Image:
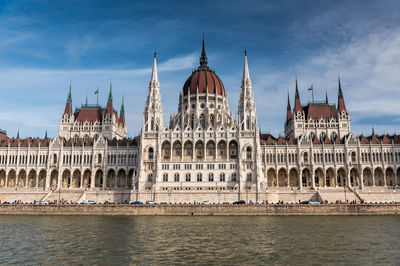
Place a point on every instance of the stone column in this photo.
(92, 179)
(47, 179)
(373, 177)
(313, 179)
(361, 180)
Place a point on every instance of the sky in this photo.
(46, 45)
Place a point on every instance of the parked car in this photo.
(88, 202)
(44, 203)
(314, 202)
(239, 202)
(136, 202)
(152, 202)
(205, 202)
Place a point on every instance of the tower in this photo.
(67, 118)
(249, 135)
(343, 116)
(152, 125)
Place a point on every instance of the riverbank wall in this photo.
(193, 210)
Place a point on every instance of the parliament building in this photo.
(203, 153)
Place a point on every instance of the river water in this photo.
(199, 240)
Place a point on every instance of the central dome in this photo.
(202, 79)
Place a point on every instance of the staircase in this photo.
(337, 194)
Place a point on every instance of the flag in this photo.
(311, 88)
(96, 91)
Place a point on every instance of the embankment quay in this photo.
(212, 210)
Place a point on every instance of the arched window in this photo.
(248, 177)
(210, 149)
(166, 150)
(333, 136)
(312, 135)
(86, 138)
(232, 150)
(305, 157)
(99, 158)
(212, 120)
(187, 177)
(199, 177)
(76, 138)
(151, 154)
(234, 177)
(248, 153)
(248, 122)
(202, 121)
(55, 158)
(176, 177)
(150, 178)
(192, 121)
(96, 137)
(211, 177)
(222, 177)
(165, 177)
(322, 136)
(353, 157)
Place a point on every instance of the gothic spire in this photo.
(18, 134)
(154, 73)
(203, 58)
(122, 112)
(297, 103)
(45, 135)
(326, 98)
(122, 105)
(289, 111)
(68, 105)
(109, 107)
(69, 99)
(110, 93)
(246, 81)
(341, 105)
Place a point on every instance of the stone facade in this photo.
(204, 153)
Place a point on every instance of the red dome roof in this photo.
(204, 78)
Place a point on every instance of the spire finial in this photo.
(373, 131)
(110, 93)
(297, 90)
(69, 99)
(45, 135)
(340, 88)
(288, 102)
(86, 103)
(154, 72)
(18, 134)
(122, 105)
(326, 97)
(203, 58)
(246, 81)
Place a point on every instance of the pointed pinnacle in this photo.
(297, 90)
(340, 89)
(122, 104)
(203, 58)
(69, 99)
(110, 93)
(288, 102)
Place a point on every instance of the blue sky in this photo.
(46, 44)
